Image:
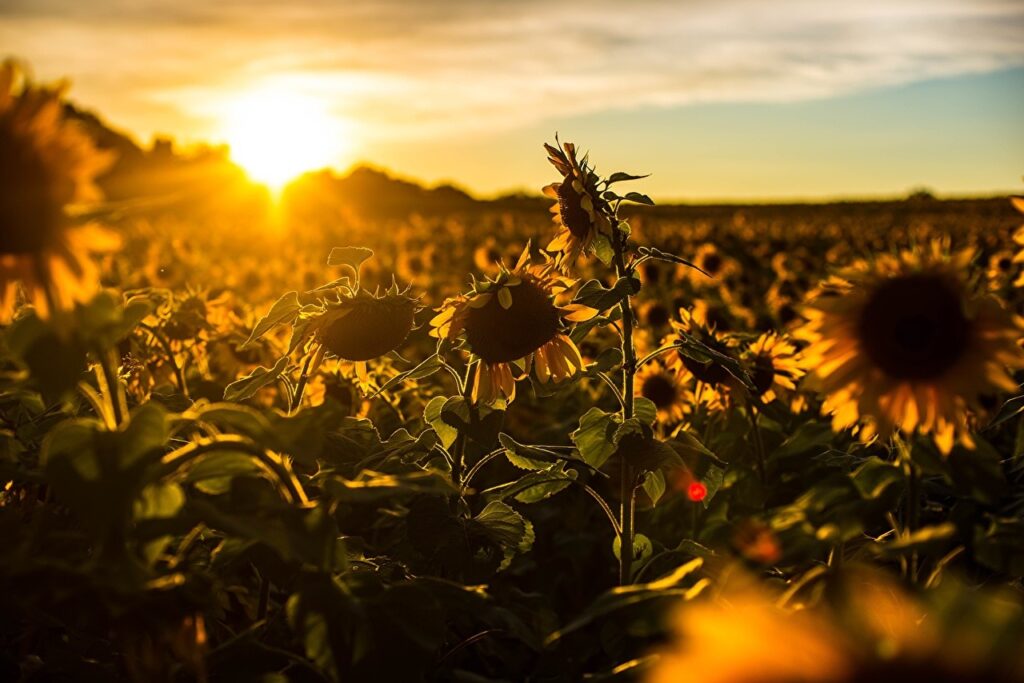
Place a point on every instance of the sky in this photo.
(717, 99)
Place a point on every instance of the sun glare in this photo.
(276, 135)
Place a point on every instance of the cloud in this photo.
(414, 70)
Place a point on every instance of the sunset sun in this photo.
(276, 135)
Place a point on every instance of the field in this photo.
(366, 431)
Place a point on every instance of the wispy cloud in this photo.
(428, 69)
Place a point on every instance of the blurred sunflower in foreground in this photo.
(47, 164)
(874, 632)
(511, 323)
(578, 209)
(901, 343)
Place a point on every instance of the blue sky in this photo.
(719, 99)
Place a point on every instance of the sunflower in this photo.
(47, 164)
(1001, 267)
(774, 367)
(579, 209)
(720, 267)
(363, 326)
(869, 629)
(901, 343)
(511, 323)
(662, 387)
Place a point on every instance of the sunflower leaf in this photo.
(247, 386)
(595, 436)
(619, 177)
(638, 198)
(285, 310)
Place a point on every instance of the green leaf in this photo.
(603, 249)
(247, 386)
(619, 177)
(639, 198)
(643, 549)
(595, 436)
(654, 485)
(212, 474)
(660, 255)
(645, 410)
(506, 528)
(597, 296)
(535, 486)
(526, 457)
(285, 310)
(432, 416)
(371, 486)
(353, 257)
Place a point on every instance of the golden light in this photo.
(276, 134)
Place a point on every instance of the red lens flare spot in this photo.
(697, 491)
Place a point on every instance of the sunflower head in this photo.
(511, 322)
(664, 389)
(364, 326)
(711, 371)
(47, 164)
(579, 211)
(774, 366)
(903, 343)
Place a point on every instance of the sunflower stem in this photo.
(459, 456)
(113, 389)
(300, 389)
(758, 442)
(627, 489)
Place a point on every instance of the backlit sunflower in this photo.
(663, 388)
(900, 343)
(578, 211)
(47, 164)
(364, 326)
(774, 367)
(511, 323)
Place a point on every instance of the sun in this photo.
(276, 134)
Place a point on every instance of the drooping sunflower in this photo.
(774, 367)
(48, 164)
(902, 343)
(511, 323)
(363, 326)
(662, 387)
(579, 211)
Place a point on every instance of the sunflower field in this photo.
(426, 438)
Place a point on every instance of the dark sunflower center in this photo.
(914, 328)
(574, 216)
(660, 390)
(657, 316)
(30, 213)
(499, 335)
(1005, 263)
(712, 263)
(372, 329)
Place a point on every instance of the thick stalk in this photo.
(459, 456)
(627, 488)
